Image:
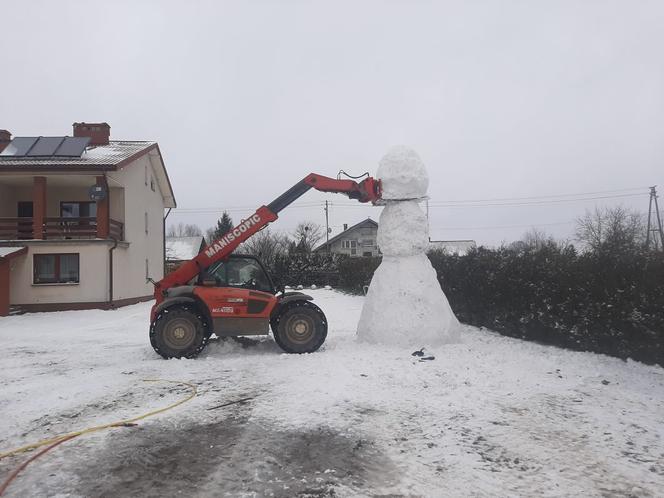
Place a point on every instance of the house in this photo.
(459, 247)
(358, 240)
(81, 220)
(181, 249)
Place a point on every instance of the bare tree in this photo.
(532, 239)
(209, 235)
(307, 235)
(536, 238)
(266, 246)
(613, 229)
(184, 230)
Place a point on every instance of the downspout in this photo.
(110, 272)
(115, 244)
(164, 239)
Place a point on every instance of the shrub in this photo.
(355, 273)
(611, 303)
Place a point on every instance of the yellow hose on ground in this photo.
(121, 423)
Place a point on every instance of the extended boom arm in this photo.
(368, 190)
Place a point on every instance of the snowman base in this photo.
(405, 305)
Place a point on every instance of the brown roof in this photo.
(111, 157)
(100, 157)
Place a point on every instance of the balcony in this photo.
(60, 207)
(58, 228)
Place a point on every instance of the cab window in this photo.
(242, 273)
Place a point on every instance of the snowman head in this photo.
(402, 174)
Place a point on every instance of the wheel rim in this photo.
(179, 334)
(299, 329)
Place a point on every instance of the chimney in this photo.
(5, 138)
(98, 132)
(345, 226)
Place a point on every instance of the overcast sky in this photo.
(502, 99)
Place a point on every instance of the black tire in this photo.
(179, 332)
(301, 327)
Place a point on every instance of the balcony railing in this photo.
(116, 230)
(15, 228)
(57, 228)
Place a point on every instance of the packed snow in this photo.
(489, 416)
(402, 174)
(405, 304)
(402, 229)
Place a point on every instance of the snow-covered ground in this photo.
(492, 416)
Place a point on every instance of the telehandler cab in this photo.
(232, 295)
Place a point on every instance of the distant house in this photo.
(81, 220)
(181, 249)
(358, 240)
(460, 247)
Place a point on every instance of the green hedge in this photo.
(609, 302)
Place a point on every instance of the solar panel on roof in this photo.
(45, 146)
(72, 147)
(19, 146)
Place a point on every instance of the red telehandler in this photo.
(232, 295)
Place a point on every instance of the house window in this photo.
(56, 269)
(78, 209)
(349, 244)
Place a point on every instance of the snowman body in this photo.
(405, 304)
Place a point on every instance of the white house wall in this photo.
(130, 263)
(13, 195)
(116, 203)
(93, 275)
(10, 195)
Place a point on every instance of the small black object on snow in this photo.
(418, 353)
(605, 382)
(428, 358)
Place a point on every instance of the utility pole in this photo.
(327, 228)
(656, 230)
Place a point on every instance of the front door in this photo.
(24, 209)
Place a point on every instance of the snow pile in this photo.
(493, 416)
(405, 304)
(402, 174)
(402, 229)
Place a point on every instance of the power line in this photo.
(551, 195)
(444, 204)
(494, 202)
(508, 226)
(540, 202)
(218, 210)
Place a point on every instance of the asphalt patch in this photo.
(230, 457)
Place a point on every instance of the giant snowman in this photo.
(405, 304)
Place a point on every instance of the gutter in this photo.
(164, 240)
(110, 272)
